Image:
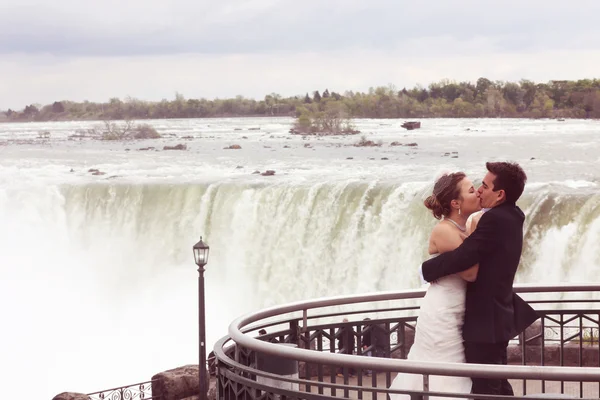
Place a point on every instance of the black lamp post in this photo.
(201, 258)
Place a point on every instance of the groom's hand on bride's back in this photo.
(480, 243)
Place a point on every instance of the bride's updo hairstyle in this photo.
(445, 190)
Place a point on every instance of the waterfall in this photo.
(99, 283)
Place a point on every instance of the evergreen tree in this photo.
(316, 96)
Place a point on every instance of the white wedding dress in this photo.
(438, 338)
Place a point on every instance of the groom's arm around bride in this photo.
(494, 314)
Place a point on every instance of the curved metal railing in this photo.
(563, 356)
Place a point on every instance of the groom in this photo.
(493, 314)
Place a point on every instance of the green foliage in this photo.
(316, 96)
(58, 107)
(145, 131)
(449, 99)
(126, 131)
(333, 119)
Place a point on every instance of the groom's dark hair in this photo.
(510, 177)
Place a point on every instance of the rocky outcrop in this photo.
(211, 395)
(178, 383)
(176, 147)
(367, 143)
(410, 125)
(404, 144)
(71, 396)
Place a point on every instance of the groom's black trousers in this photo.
(488, 353)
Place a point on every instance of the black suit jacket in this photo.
(494, 313)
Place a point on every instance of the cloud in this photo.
(152, 27)
(69, 49)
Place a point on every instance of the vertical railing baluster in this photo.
(359, 371)
(388, 353)
(580, 352)
(425, 386)
(307, 372)
(543, 349)
(334, 368)
(562, 349)
(320, 366)
(523, 359)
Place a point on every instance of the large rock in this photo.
(212, 394)
(533, 334)
(178, 383)
(176, 147)
(71, 396)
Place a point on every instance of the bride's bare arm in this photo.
(474, 221)
(470, 275)
(445, 238)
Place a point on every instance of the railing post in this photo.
(280, 366)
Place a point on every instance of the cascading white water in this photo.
(99, 283)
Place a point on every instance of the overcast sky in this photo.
(150, 49)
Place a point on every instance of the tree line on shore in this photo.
(444, 99)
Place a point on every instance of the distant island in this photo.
(444, 99)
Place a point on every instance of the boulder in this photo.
(71, 396)
(176, 147)
(533, 334)
(211, 395)
(366, 143)
(410, 125)
(178, 383)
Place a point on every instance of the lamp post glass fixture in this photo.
(201, 258)
(201, 253)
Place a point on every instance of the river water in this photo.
(98, 282)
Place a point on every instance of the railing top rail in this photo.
(133, 385)
(395, 365)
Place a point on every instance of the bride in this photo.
(438, 335)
